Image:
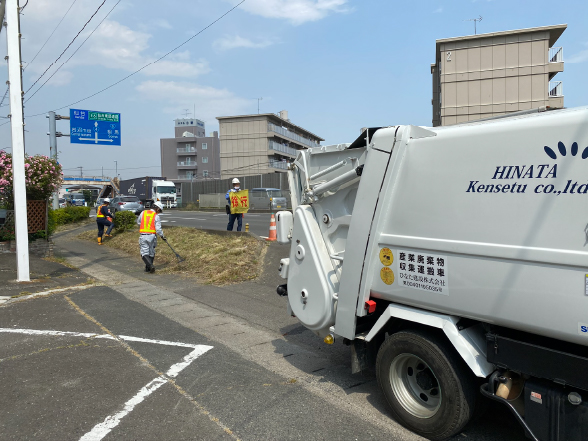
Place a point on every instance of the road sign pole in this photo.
(18, 150)
(53, 148)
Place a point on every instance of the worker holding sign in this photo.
(237, 203)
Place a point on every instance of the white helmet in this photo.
(236, 181)
(158, 205)
(106, 201)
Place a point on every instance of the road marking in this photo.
(100, 430)
(106, 336)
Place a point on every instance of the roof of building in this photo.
(277, 118)
(555, 32)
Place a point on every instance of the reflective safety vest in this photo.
(99, 214)
(148, 222)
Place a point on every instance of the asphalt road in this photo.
(258, 222)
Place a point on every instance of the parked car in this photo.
(126, 203)
(267, 198)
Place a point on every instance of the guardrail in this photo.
(282, 148)
(86, 178)
(279, 164)
(555, 88)
(291, 135)
(556, 54)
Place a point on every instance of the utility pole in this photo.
(81, 172)
(258, 100)
(18, 148)
(53, 135)
(116, 172)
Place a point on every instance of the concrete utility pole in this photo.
(18, 149)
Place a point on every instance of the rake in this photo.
(180, 258)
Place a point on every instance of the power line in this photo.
(70, 43)
(48, 38)
(75, 52)
(147, 65)
(5, 94)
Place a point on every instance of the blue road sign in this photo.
(91, 127)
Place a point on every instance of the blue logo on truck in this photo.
(562, 150)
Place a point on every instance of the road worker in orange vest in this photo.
(149, 227)
(104, 219)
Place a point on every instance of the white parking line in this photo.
(100, 430)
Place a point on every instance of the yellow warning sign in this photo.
(387, 275)
(386, 256)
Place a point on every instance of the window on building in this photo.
(204, 146)
(205, 159)
(205, 173)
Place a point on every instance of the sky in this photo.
(335, 65)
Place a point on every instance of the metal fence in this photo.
(191, 191)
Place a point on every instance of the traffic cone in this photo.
(272, 231)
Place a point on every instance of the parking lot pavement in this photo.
(258, 222)
(94, 365)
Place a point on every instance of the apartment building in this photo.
(263, 143)
(486, 75)
(190, 156)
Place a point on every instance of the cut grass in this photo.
(216, 259)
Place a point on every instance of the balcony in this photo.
(280, 131)
(282, 165)
(556, 63)
(284, 149)
(187, 164)
(186, 150)
(186, 177)
(556, 54)
(555, 89)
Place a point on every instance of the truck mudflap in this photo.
(469, 342)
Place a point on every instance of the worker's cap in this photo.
(106, 200)
(158, 205)
(236, 181)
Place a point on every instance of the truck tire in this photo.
(428, 387)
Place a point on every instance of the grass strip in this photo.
(217, 259)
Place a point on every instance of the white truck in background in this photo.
(456, 260)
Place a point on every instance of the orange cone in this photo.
(272, 231)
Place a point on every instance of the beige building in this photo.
(264, 143)
(485, 75)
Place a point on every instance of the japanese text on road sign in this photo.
(91, 127)
(424, 271)
(239, 201)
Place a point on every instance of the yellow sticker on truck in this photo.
(386, 256)
(387, 275)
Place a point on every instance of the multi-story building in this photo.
(190, 155)
(486, 75)
(192, 126)
(263, 143)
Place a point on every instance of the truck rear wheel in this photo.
(427, 385)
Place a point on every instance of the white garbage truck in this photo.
(454, 260)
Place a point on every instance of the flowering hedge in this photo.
(43, 177)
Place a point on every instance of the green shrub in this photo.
(124, 220)
(66, 215)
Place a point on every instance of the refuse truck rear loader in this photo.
(455, 261)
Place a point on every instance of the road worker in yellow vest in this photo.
(149, 227)
(104, 219)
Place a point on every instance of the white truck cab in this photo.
(164, 192)
(447, 254)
